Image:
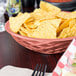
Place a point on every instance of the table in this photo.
(11, 53)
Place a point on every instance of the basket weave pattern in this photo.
(45, 46)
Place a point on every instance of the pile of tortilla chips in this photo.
(47, 22)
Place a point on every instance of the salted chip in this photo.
(22, 33)
(40, 14)
(62, 14)
(64, 33)
(31, 19)
(66, 15)
(74, 12)
(49, 7)
(72, 23)
(37, 23)
(73, 31)
(54, 22)
(31, 25)
(20, 13)
(25, 26)
(27, 31)
(16, 22)
(44, 30)
(63, 25)
(63, 20)
(68, 32)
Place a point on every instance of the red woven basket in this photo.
(45, 46)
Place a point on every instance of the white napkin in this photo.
(15, 71)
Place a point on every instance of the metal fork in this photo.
(39, 70)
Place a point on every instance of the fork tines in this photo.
(39, 70)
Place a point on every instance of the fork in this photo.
(39, 70)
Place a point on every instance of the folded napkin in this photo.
(63, 60)
(15, 71)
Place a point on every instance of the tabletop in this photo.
(11, 53)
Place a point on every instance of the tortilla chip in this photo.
(64, 25)
(27, 31)
(72, 23)
(54, 22)
(68, 32)
(16, 22)
(73, 31)
(22, 33)
(40, 14)
(20, 13)
(30, 25)
(44, 30)
(66, 15)
(74, 12)
(49, 7)
(64, 33)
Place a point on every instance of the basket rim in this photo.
(7, 28)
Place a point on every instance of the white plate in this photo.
(15, 71)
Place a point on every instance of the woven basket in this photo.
(45, 46)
